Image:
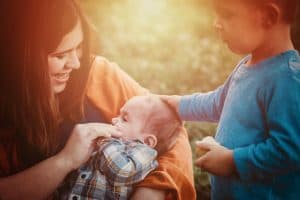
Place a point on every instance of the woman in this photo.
(51, 92)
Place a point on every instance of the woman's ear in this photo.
(271, 15)
(150, 140)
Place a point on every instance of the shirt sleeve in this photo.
(126, 163)
(203, 106)
(279, 153)
(207, 106)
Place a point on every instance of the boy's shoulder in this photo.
(283, 73)
(280, 71)
(282, 66)
(289, 65)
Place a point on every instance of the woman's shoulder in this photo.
(109, 87)
(103, 65)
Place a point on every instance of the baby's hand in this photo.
(215, 158)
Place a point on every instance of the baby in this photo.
(149, 128)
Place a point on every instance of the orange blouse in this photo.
(108, 89)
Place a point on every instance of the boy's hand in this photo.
(218, 160)
(172, 101)
(201, 151)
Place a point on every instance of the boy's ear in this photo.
(271, 14)
(150, 140)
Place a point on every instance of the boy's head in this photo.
(246, 25)
(149, 119)
(287, 8)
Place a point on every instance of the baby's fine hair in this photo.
(163, 123)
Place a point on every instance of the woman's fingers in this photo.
(82, 141)
(102, 130)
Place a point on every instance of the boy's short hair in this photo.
(288, 7)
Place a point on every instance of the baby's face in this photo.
(133, 117)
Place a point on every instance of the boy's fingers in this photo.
(171, 100)
(200, 162)
(210, 140)
(203, 145)
(164, 97)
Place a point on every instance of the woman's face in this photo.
(65, 58)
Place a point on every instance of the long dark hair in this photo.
(31, 30)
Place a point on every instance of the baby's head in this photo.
(245, 25)
(150, 120)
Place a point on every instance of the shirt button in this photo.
(74, 198)
(83, 176)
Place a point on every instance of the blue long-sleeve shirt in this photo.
(258, 110)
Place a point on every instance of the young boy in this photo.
(256, 154)
(148, 127)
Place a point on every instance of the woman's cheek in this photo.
(55, 65)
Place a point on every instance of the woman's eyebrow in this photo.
(65, 51)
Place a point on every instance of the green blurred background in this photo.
(169, 47)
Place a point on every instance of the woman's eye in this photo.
(60, 56)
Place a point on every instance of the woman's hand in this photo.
(83, 140)
(47, 175)
(148, 194)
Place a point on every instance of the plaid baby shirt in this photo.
(113, 169)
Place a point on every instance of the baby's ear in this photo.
(150, 140)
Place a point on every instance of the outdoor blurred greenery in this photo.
(169, 47)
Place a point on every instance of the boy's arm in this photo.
(279, 154)
(203, 106)
(108, 89)
(125, 163)
(206, 106)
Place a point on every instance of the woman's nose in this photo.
(217, 24)
(73, 61)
